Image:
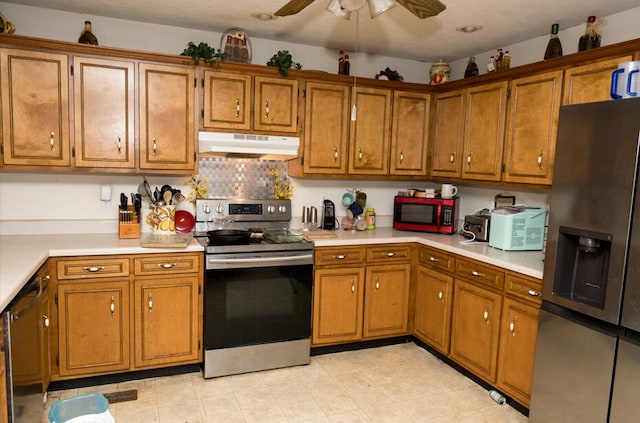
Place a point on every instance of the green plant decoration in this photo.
(204, 52)
(283, 61)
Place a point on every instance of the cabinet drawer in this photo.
(437, 259)
(474, 271)
(339, 255)
(92, 267)
(388, 252)
(163, 264)
(523, 287)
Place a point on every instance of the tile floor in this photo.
(397, 383)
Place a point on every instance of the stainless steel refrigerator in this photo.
(587, 364)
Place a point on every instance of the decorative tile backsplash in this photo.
(240, 178)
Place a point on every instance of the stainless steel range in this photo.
(257, 294)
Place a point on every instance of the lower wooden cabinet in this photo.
(433, 302)
(4, 410)
(386, 299)
(475, 328)
(149, 315)
(166, 320)
(517, 349)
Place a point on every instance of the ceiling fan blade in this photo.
(293, 7)
(423, 8)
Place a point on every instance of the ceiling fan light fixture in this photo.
(378, 7)
(336, 8)
(352, 5)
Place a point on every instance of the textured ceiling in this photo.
(396, 33)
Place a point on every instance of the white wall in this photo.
(55, 203)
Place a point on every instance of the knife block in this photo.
(126, 229)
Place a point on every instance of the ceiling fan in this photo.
(343, 8)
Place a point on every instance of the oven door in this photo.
(257, 300)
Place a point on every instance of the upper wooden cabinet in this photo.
(103, 100)
(227, 102)
(167, 132)
(530, 141)
(35, 108)
(409, 133)
(369, 133)
(326, 128)
(591, 82)
(468, 132)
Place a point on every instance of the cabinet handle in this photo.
(485, 315)
(440, 295)
(52, 141)
(150, 303)
(452, 157)
(112, 307)
(45, 320)
(377, 284)
(119, 145)
(353, 287)
(167, 265)
(433, 259)
(512, 326)
(266, 110)
(155, 147)
(390, 254)
(469, 159)
(93, 269)
(335, 154)
(237, 107)
(540, 159)
(340, 257)
(359, 154)
(477, 274)
(401, 157)
(533, 293)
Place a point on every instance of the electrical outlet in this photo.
(105, 203)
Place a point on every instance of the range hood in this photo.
(269, 147)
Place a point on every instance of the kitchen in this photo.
(79, 195)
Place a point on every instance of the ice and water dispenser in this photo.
(582, 263)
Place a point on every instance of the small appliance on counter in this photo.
(517, 228)
(476, 226)
(328, 215)
(437, 215)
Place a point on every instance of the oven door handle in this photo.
(227, 263)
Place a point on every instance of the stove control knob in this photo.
(271, 209)
(282, 209)
(206, 209)
(219, 208)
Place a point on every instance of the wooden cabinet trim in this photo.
(164, 264)
(437, 259)
(334, 256)
(480, 273)
(388, 253)
(92, 267)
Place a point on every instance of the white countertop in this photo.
(22, 255)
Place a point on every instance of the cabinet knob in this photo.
(377, 284)
(340, 257)
(155, 147)
(390, 254)
(401, 157)
(52, 141)
(335, 154)
(119, 145)
(112, 307)
(45, 320)
(353, 287)
(167, 265)
(540, 159)
(266, 110)
(452, 157)
(150, 303)
(93, 269)
(359, 154)
(237, 107)
(512, 326)
(440, 295)
(477, 274)
(433, 259)
(533, 293)
(485, 315)
(469, 159)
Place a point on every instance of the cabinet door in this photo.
(517, 349)
(227, 100)
(530, 143)
(433, 308)
(93, 326)
(103, 109)
(35, 104)
(276, 105)
(410, 130)
(44, 313)
(370, 135)
(166, 321)
(326, 131)
(387, 300)
(337, 305)
(4, 417)
(167, 133)
(448, 133)
(590, 83)
(484, 131)
(475, 329)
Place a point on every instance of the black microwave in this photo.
(437, 215)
